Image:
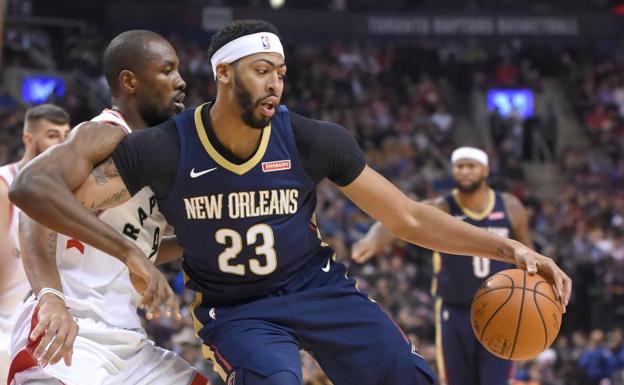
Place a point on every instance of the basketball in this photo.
(515, 315)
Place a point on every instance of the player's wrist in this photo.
(130, 251)
(507, 249)
(48, 294)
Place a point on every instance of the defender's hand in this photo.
(153, 287)
(56, 329)
(534, 262)
(364, 249)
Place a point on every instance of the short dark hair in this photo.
(127, 51)
(50, 112)
(237, 29)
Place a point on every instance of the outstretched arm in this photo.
(431, 228)
(379, 236)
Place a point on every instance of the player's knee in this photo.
(246, 377)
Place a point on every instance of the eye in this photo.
(262, 71)
(167, 71)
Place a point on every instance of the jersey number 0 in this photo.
(481, 267)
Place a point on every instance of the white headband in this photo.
(470, 153)
(245, 46)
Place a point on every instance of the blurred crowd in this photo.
(401, 101)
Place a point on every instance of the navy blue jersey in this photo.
(246, 229)
(457, 277)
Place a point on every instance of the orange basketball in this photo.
(515, 315)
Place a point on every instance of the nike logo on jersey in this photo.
(326, 268)
(197, 174)
(415, 352)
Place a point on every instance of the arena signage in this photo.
(473, 25)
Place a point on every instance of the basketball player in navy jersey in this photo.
(461, 358)
(237, 179)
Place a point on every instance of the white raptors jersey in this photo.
(97, 283)
(13, 282)
(7, 174)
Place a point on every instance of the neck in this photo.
(130, 113)
(477, 200)
(240, 139)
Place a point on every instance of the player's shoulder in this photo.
(509, 198)
(95, 129)
(160, 135)
(4, 192)
(302, 125)
(512, 203)
(300, 122)
(4, 189)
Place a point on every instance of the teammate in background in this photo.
(237, 180)
(462, 360)
(44, 126)
(85, 308)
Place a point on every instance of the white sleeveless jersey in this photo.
(97, 283)
(14, 285)
(8, 172)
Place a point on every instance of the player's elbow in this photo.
(405, 224)
(25, 192)
(18, 192)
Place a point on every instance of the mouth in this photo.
(178, 102)
(267, 107)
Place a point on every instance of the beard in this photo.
(154, 111)
(38, 148)
(153, 115)
(472, 187)
(243, 96)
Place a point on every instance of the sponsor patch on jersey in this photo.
(277, 165)
(496, 215)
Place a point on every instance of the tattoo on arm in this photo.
(108, 193)
(51, 242)
(104, 171)
(116, 197)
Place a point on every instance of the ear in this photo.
(28, 140)
(127, 81)
(224, 73)
(486, 171)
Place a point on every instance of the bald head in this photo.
(128, 51)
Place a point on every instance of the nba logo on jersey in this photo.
(265, 42)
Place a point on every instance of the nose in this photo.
(180, 84)
(272, 83)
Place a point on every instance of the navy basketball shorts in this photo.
(350, 336)
(462, 360)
